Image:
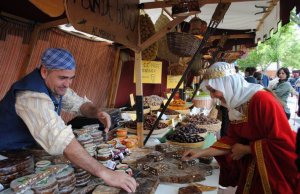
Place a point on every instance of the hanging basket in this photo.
(199, 67)
(163, 50)
(176, 69)
(147, 30)
(197, 26)
(182, 44)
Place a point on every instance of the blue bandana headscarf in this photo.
(57, 58)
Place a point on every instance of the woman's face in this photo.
(281, 74)
(216, 94)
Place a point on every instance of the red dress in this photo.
(271, 167)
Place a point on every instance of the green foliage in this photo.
(282, 46)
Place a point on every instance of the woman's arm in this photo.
(282, 89)
(196, 153)
(239, 150)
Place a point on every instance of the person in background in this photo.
(265, 80)
(294, 77)
(258, 76)
(261, 78)
(297, 82)
(224, 114)
(258, 153)
(30, 114)
(283, 88)
(249, 72)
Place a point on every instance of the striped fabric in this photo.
(45, 125)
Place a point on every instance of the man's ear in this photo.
(44, 72)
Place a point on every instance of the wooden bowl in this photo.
(189, 145)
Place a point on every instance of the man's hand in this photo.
(190, 155)
(119, 179)
(239, 150)
(80, 157)
(105, 119)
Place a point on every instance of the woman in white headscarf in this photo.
(258, 153)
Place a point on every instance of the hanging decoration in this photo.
(197, 26)
(185, 7)
(183, 44)
(147, 29)
(163, 50)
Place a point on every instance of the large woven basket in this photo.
(182, 44)
(163, 50)
(211, 127)
(176, 69)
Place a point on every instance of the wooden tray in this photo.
(146, 132)
(189, 145)
(173, 174)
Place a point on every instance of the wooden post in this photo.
(139, 97)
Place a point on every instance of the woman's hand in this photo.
(239, 150)
(190, 155)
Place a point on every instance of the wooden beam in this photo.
(273, 3)
(168, 12)
(139, 93)
(16, 17)
(162, 4)
(162, 32)
(233, 36)
(53, 23)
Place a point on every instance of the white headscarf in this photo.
(236, 90)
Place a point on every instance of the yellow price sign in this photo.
(151, 72)
(172, 81)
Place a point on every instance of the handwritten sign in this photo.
(151, 72)
(172, 81)
(115, 20)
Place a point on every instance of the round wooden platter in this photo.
(146, 132)
(189, 145)
(181, 107)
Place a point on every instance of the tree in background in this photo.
(283, 47)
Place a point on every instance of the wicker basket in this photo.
(211, 127)
(188, 145)
(176, 69)
(147, 30)
(197, 26)
(182, 44)
(199, 67)
(163, 50)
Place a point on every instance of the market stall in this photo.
(146, 145)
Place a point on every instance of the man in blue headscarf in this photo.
(30, 114)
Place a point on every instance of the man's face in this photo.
(58, 80)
